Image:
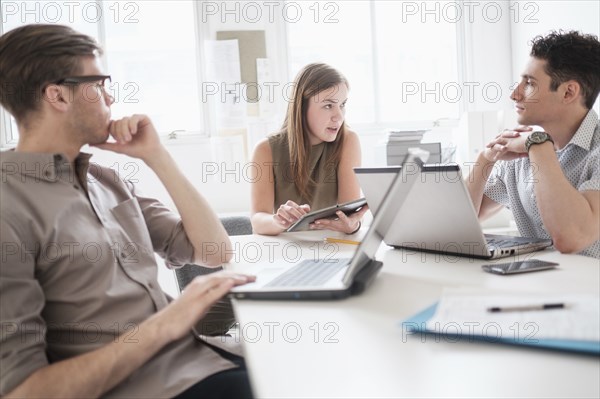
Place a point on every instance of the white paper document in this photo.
(223, 83)
(223, 61)
(465, 312)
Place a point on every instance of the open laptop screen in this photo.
(437, 215)
(394, 196)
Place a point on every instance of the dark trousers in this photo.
(233, 383)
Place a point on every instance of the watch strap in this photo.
(544, 137)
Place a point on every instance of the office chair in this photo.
(220, 317)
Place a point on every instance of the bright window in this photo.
(401, 62)
(81, 15)
(402, 66)
(151, 53)
(339, 34)
(149, 49)
(417, 62)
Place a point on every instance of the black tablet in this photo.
(348, 208)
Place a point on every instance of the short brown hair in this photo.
(33, 56)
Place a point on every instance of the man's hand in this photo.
(178, 318)
(345, 224)
(289, 213)
(135, 136)
(508, 145)
(94, 373)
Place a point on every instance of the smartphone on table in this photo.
(524, 266)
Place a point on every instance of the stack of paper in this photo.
(465, 313)
(405, 136)
(395, 146)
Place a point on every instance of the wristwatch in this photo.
(537, 138)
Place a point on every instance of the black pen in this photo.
(525, 308)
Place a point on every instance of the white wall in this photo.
(550, 15)
(215, 166)
(581, 15)
(488, 54)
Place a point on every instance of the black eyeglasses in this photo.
(75, 80)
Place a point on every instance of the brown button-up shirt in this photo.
(77, 271)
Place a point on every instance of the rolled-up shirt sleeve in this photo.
(168, 236)
(23, 330)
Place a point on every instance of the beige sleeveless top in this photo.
(324, 192)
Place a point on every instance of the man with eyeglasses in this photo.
(81, 310)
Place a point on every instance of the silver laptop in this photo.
(438, 215)
(335, 278)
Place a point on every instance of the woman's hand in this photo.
(345, 224)
(289, 213)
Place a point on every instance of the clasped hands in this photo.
(508, 145)
(288, 213)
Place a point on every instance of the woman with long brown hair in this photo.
(308, 165)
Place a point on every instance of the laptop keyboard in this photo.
(503, 243)
(309, 273)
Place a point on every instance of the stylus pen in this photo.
(525, 308)
(332, 240)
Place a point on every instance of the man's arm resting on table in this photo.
(571, 217)
(94, 373)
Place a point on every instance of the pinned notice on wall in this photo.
(224, 83)
(223, 61)
(251, 46)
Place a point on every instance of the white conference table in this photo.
(356, 348)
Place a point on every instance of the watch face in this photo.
(538, 137)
